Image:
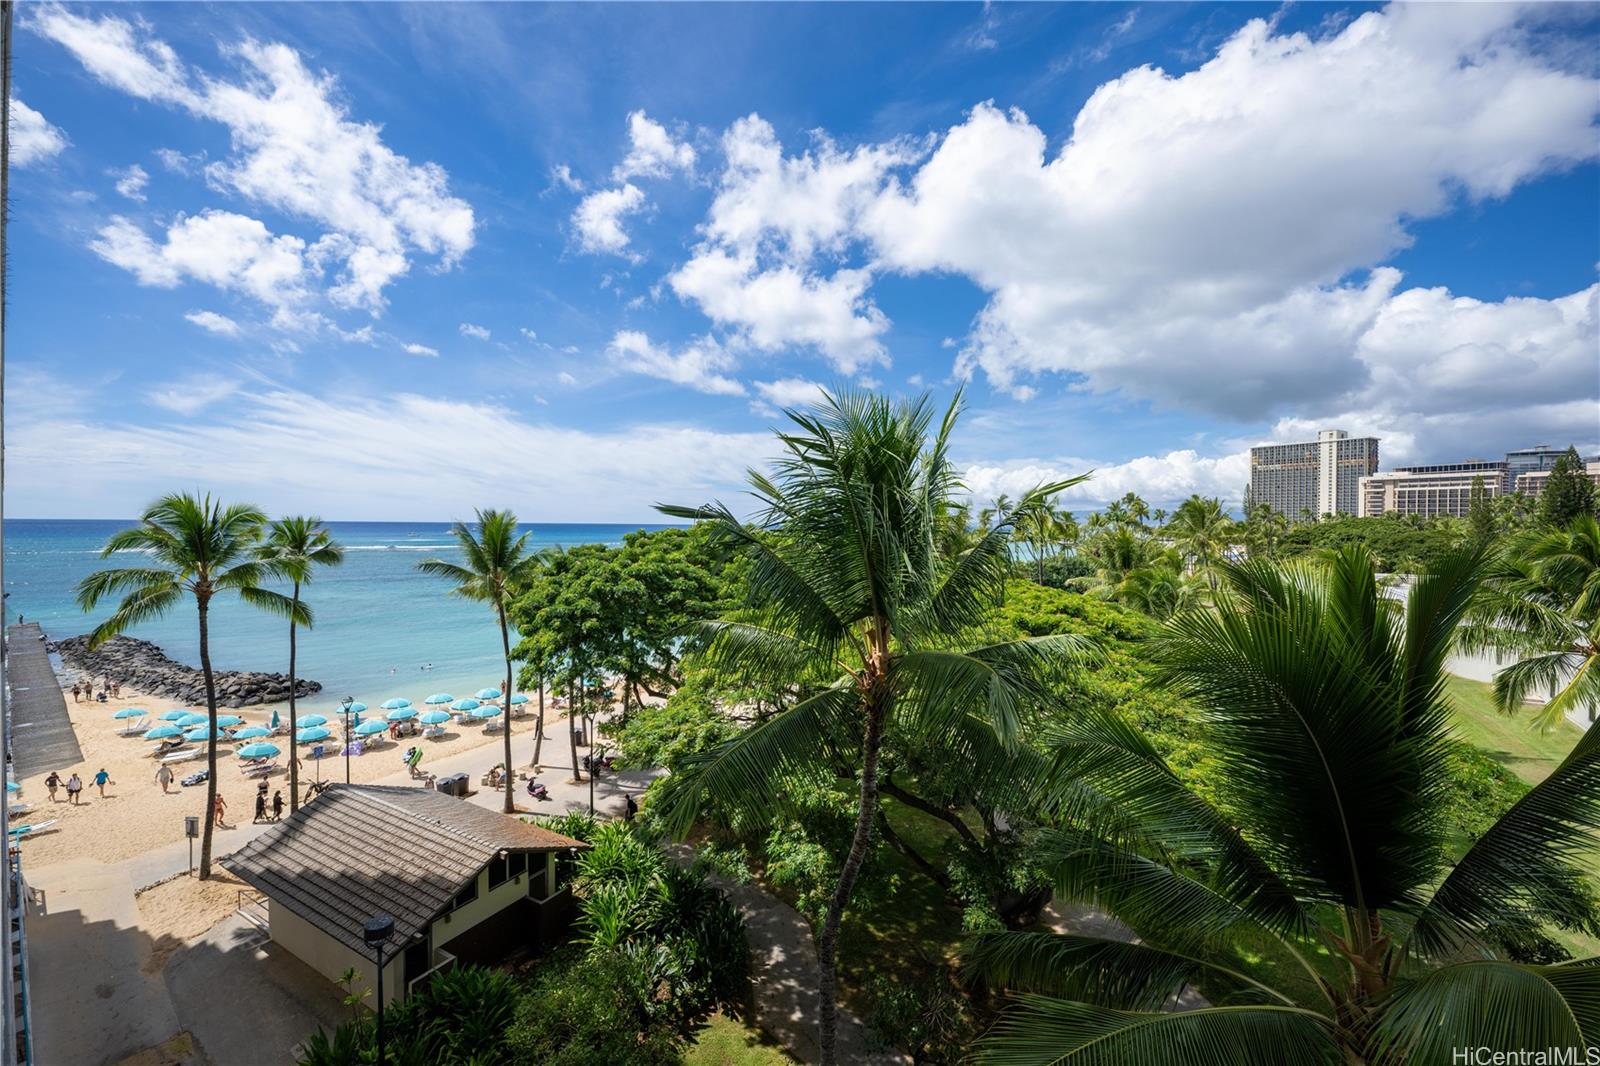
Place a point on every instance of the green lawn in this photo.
(727, 1041)
(1513, 740)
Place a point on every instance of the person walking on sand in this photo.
(219, 809)
(52, 783)
(277, 805)
(101, 780)
(164, 779)
(76, 693)
(74, 786)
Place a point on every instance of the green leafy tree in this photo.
(1568, 492)
(294, 547)
(496, 564)
(1541, 602)
(1480, 512)
(849, 600)
(1324, 832)
(199, 548)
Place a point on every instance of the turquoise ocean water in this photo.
(378, 621)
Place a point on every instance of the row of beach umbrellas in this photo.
(310, 727)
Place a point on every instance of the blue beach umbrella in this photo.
(12, 786)
(354, 708)
(174, 715)
(191, 719)
(308, 721)
(435, 718)
(519, 699)
(395, 704)
(437, 698)
(202, 734)
(464, 705)
(486, 711)
(132, 712)
(162, 732)
(228, 721)
(259, 751)
(312, 735)
(366, 729)
(488, 693)
(250, 732)
(402, 714)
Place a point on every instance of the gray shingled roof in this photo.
(360, 850)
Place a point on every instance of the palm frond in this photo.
(741, 773)
(102, 583)
(1039, 1031)
(1135, 797)
(997, 682)
(1498, 1006)
(298, 611)
(1109, 973)
(1525, 861)
(142, 606)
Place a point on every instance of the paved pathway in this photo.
(92, 999)
(41, 733)
(783, 975)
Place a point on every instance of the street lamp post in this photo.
(378, 929)
(344, 705)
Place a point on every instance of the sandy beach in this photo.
(135, 816)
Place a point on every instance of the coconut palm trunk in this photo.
(538, 737)
(294, 742)
(828, 939)
(572, 735)
(211, 741)
(511, 777)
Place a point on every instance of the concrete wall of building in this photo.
(331, 958)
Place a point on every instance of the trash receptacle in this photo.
(579, 737)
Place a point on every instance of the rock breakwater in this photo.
(142, 665)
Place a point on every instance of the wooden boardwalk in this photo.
(42, 737)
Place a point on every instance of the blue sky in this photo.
(391, 261)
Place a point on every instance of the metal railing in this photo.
(447, 962)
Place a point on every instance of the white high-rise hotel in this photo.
(1315, 477)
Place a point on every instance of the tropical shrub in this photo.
(583, 1009)
(459, 1018)
(682, 937)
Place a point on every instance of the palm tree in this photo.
(498, 565)
(1201, 530)
(849, 601)
(1322, 830)
(293, 547)
(200, 548)
(1542, 603)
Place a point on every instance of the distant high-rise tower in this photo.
(1315, 477)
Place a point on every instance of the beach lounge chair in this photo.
(493, 725)
(265, 769)
(183, 755)
(18, 808)
(133, 727)
(433, 731)
(28, 830)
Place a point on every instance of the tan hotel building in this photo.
(1439, 489)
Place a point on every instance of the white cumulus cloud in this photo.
(700, 365)
(599, 216)
(652, 151)
(131, 182)
(294, 148)
(475, 332)
(420, 349)
(220, 248)
(33, 138)
(212, 322)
